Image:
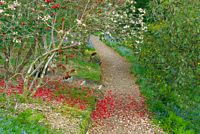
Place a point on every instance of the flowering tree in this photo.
(127, 23)
(33, 32)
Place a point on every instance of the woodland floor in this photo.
(116, 77)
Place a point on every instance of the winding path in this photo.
(116, 76)
(115, 69)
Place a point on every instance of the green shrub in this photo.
(170, 57)
(25, 122)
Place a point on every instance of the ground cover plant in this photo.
(76, 101)
(21, 123)
(88, 66)
(170, 53)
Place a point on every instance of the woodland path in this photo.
(115, 70)
(116, 77)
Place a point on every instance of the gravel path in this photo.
(115, 70)
(65, 123)
(116, 76)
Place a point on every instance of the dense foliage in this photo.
(25, 122)
(32, 33)
(171, 46)
(128, 24)
(167, 63)
(170, 60)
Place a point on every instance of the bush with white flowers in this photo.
(32, 32)
(127, 23)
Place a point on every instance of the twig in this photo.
(84, 10)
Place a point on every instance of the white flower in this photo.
(137, 41)
(1, 10)
(44, 5)
(126, 26)
(7, 14)
(15, 33)
(16, 40)
(84, 25)
(39, 17)
(141, 10)
(109, 4)
(14, 5)
(45, 18)
(67, 33)
(79, 22)
(3, 1)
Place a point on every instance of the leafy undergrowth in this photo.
(74, 99)
(86, 69)
(176, 112)
(85, 66)
(25, 122)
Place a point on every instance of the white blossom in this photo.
(14, 5)
(46, 18)
(79, 22)
(1, 10)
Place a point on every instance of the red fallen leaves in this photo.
(67, 76)
(72, 56)
(48, 1)
(12, 89)
(53, 14)
(63, 19)
(2, 83)
(47, 28)
(120, 105)
(44, 93)
(62, 66)
(55, 91)
(100, 1)
(55, 6)
(60, 51)
(1, 3)
(104, 107)
(23, 23)
(82, 107)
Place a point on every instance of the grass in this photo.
(176, 112)
(1, 61)
(12, 122)
(82, 94)
(85, 68)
